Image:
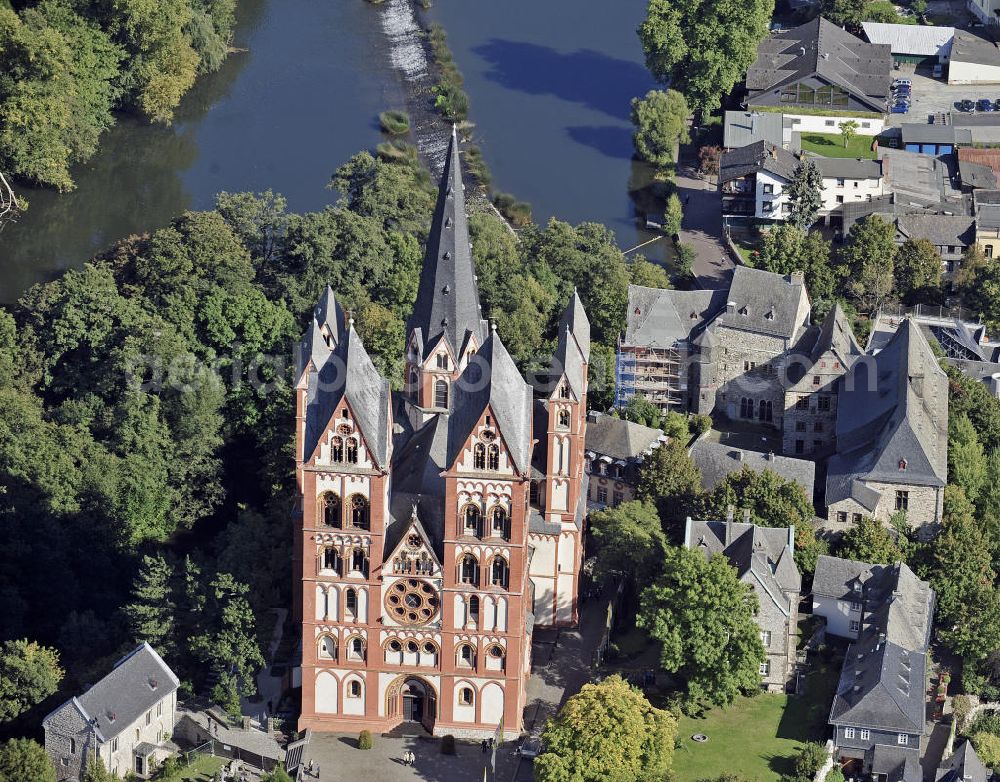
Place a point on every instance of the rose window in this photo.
(411, 601)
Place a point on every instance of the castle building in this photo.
(439, 524)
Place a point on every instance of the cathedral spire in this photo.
(448, 297)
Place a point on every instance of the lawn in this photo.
(204, 768)
(756, 737)
(832, 145)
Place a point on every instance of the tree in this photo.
(982, 293)
(703, 49)
(631, 541)
(640, 410)
(661, 123)
(607, 732)
(918, 270)
(24, 759)
(868, 262)
(848, 130)
(649, 275)
(703, 616)
(151, 614)
(869, 541)
(96, 771)
(966, 457)
(673, 216)
(809, 760)
(671, 481)
(805, 195)
(278, 775)
(773, 501)
(973, 259)
(849, 13)
(709, 158)
(29, 673)
(786, 249)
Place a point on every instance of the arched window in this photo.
(466, 697)
(493, 457)
(468, 570)
(499, 572)
(356, 649)
(330, 509)
(354, 688)
(764, 410)
(474, 609)
(337, 449)
(564, 391)
(351, 601)
(359, 561)
(466, 656)
(359, 511)
(472, 520)
(352, 451)
(441, 393)
(479, 457)
(496, 657)
(331, 559)
(498, 522)
(564, 419)
(327, 648)
(412, 647)
(395, 646)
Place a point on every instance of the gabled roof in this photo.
(716, 460)
(836, 336)
(573, 347)
(836, 577)
(821, 49)
(349, 371)
(660, 318)
(954, 230)
(766, 303)
(969, 47)
(755, 158)
(330, 316)
(448, 296)
(492, 380)
(621, 439)
(926, 40)
(575, 321)
(963, 766)
(135, 684)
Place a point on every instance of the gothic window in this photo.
(352, 451)
(466, 656)
(351, 601)
(764, 411)
(564, 419)
(499, 572)
(330, 509)
(473, 519)
(466, 697)
(359, 561)
(337, 449)
(498, 522)
(441, 393)
(442, 360)
(533, 493)
(359, 511)
(479, 456)
(493, 457)
(746, 407)
(331, 559)
(564, 392)
(468, 570)
(474, 609)
(327, 648)
(395, 646)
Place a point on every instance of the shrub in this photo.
(397, 151)
(685, 259)
(810, 760)
(518, 212)
(448, 745)
(395, 123)
(699, 424)
(961, 706)
(365, 739)
(476, 165)
(987, 747)
(835, 775)
(451, 101)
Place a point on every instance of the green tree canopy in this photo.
(24, 759)
(785, 249)
(640, 410)
(671, 481)
(804, 194)
(868, 262)
(631, 541)
(703, 616)
(29, 673)
(607, 732)
(918, 270)
(660, 120)
(151, 613)
(870, 541)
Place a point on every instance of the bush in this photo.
(365, 739)
(451, 101)
(397, 151)
(810, 760)
(448, 745)
(835, 775)
(685, 259)
(395, 123)
(476, 165)
(699, 424)
(518, 212)
(987, 747)
(961, 705)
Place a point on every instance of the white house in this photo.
(125, 719)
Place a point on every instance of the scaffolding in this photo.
(659, 374)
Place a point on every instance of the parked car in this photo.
(900, 108)
(996, 105)
(984, 104)
(902, 82)
(966, 105)
(532, 746)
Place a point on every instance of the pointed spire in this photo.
(314, 347)
(576, 322)
(448, 297)
(330, 316)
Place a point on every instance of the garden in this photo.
(832, 145)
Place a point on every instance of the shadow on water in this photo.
(611, 140)
(589, 78)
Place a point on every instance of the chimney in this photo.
(730, 307)
(746, 515)
(797, 278)
(730, 511)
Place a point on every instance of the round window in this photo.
(411, 601)
(429, 648)
(411, 647)
(395, 646)
(496, 651)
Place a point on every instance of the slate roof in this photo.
(762, 555)
(976, 175)
(893, 410)
(831, 54)
(766, 303)
(662, 318)
(573, 347)
(835, 576)
(621, 439)
(968, 47)
(914, 178)
(963, 766)
(448, 296)
(882, 682)
(914, 39)
(898, 764)
(836, 336)
(954, 230)
(747, 127)
(330, 316)
(715, 461)
(933, 133)
(755, 158)
(136, 683)
(848, 168)
(984, 157)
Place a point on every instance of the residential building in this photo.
(963, 765)
(754, 181)
(921, 182)
(821, 359)
(950, 234)
(987, 211)
(974, 59)
(912, 44)
(764, 559)
(986, 11)
(434, 533)
(817, 65)
(838, 593)
(892, 435)
(717, 460)
(741, 128)
(125, 719)
(615, 451)
(878, 711)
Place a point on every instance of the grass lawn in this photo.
(832, 145)
(204, 768)
(756, 737)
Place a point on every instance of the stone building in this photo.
(715, 461)
(616, 449)
(439, 525)
(892, 435)
(125, 719)
(764, 559)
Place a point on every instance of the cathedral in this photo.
(442, 524)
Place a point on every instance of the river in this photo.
(549, 84)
